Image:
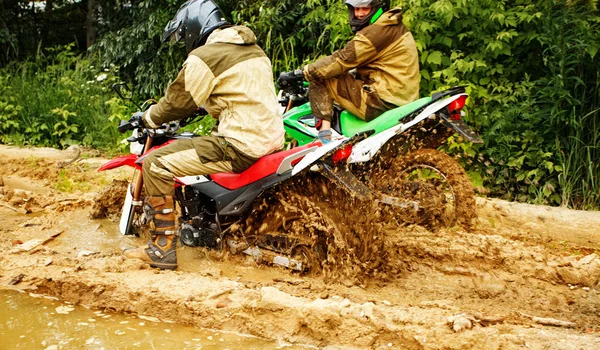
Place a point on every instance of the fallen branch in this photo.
(18, 210)
(63, 164)
(546, 321)
(34, 243)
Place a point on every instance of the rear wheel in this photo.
(436, 182)
(291, 225)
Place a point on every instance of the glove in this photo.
(137, 119)
(324, 136)
(286, 79)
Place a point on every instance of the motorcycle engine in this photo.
(199, 237)
(199, 228)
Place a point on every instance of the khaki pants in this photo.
(350, 93)
(198, 156)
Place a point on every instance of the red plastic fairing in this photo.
(456, 106)
(120, 161)
(264, 167)
(342, 155)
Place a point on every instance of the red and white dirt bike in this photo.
(209, 205)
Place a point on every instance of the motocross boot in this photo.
(160, 251)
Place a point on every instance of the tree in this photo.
(91, 23)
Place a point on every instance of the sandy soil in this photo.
(524, 277)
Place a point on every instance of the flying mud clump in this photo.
(109, 202)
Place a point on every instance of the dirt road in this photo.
(525, 277)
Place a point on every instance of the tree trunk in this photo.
(91, 23)
(47, 25)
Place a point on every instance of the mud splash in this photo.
(109, 202)
(344, 233)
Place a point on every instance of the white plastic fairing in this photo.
(366, 149)
(190, 180)
(127, 208)
(135, 147)
(315, 155)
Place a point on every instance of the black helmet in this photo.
(378, 7)
(194, 21)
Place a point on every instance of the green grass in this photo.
(58, 99)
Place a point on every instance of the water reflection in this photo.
(43, 323)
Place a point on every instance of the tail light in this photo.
(456, 106)
(341, 156)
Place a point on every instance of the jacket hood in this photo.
(239, 35)
(390, 18)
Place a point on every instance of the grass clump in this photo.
(58, 99)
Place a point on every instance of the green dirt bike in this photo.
(393, 158)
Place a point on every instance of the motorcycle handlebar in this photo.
(288, 80)
(125, 126)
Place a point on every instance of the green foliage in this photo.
(294, 33)
(137, 49)
(27, 26)
(531, 70)
(58, 99)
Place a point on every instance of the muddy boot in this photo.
(160, 251)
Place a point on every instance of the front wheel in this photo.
(433, 180)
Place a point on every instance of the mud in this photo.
(109, 202)
(321, 219)
(500, 285)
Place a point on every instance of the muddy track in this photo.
(385, 284)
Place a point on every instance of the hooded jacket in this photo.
(232, 78)
(385, 57)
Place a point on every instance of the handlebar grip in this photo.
(125, 126)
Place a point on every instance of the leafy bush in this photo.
(59, 99)
(531, 70)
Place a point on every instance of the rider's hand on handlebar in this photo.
(324, 136)
(288, 78)
(137, 119)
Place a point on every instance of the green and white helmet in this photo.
(378, 7)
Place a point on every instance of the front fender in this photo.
(129, 160)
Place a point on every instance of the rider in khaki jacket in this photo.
(231, 77)
(386, 60)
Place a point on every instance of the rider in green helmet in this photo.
(385, 57)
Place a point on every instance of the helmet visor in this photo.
(175, 36)
(359, 3)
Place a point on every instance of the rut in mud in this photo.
(384, 281)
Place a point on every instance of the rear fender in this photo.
(365, 150)
(128, 160)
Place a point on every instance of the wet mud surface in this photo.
(520, 277)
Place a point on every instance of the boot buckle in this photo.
(155, 251)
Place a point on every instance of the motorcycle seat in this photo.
(264, 167)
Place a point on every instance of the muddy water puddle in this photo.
(35, 322)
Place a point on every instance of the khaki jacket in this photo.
(232, 78)
(385, 57)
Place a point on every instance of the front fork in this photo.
(133, 197)
(139, 182)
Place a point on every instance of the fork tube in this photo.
(139, 183)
